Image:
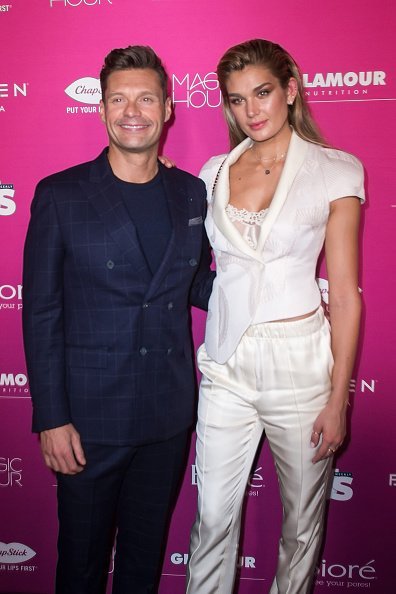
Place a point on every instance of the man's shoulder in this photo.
(73, 174)
(181, 177)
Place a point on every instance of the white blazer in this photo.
(277, 280)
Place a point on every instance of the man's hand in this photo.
(62, 450)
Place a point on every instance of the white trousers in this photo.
(278, 380)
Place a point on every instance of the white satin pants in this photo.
(278, 380)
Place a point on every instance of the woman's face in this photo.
(259, 103)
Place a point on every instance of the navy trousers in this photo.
(123, 488)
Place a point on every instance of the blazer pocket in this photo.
(195, 221)
(95, 358)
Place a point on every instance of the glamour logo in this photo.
(348, 79)
(10, 472)
(13, 89)
(341, 488)
(7, 204)
(182, 559)
(196, 90)
(75, 3)
(85, 90)
(344, 86)
(15, 552)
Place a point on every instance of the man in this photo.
(115, 253)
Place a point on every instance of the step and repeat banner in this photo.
(52, 51)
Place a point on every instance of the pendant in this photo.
(267, 171)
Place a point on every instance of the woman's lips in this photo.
(258, 125)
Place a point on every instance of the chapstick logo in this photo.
(15, 552)
(85, 90)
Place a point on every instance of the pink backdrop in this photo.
(49, 120)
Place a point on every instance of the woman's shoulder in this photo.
(210, 170)
(337, 159)
(212, 164)
(343, 172)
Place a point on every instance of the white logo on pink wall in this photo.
(353, 575)
(76, 3)
(196, 90)
(85, 90)
(10, 472)
(14, 384)
(341, 489)
(13, 89)
(15, 552)
(7, 204)
(10, 297)
(346, 86)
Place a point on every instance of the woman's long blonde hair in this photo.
(272, 56)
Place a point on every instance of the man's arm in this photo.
(204, 277)
(43, 332)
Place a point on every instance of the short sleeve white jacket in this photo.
(277, 280)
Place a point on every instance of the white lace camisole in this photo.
(248, 223)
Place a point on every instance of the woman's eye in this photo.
(236, 101)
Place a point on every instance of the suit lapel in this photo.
(106, 198)
(178, 212)
(221, 198)
(295, 157)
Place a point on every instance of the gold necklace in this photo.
(276, 159)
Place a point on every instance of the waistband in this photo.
(303, 327)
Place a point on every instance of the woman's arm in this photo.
(341, 247)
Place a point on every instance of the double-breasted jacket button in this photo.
(110, 264)
(146, 305)
(169, 351)
(170, 305)
(192, 262)
(143, 351)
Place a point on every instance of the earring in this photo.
(290, 101)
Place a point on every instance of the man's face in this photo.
(134, 110)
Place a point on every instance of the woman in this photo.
(269, 362)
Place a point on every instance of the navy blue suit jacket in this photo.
(108, 345)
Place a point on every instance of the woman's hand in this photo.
(328, 431)
(166, 161)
